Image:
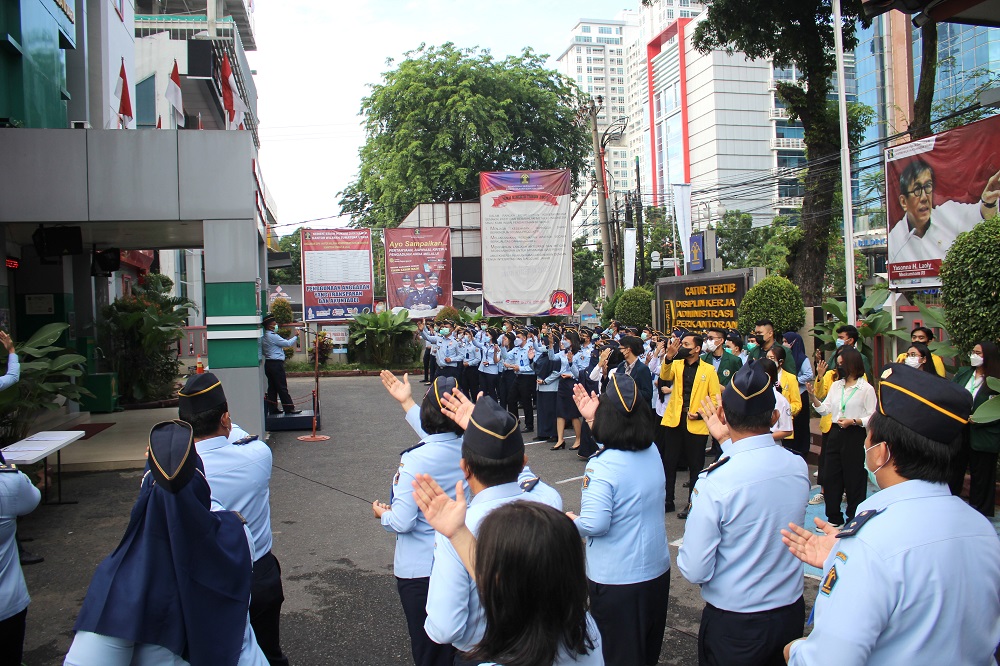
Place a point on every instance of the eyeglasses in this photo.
(926, 188)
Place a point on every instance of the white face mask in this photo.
(710, 345)
(975, 360)
(913, 361)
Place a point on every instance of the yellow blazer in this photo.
(706, 383)
(790, 389)
(821, 388)
(938, 363)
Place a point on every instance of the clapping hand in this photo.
(7, 342)
(709, 412)
(444, 514)
(811, 548)
(587, 404)
(673, 348)
(457, 407)
(400, 390)
(378, 508)
(531, 353)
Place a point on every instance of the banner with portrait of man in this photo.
(936, 188)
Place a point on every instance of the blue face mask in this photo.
(483, 327)
(871, 473)
(644, 336)
(444, 331)
(839, 342)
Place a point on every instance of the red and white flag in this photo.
(231, 99)
(124, 99)
(200, 126)
(175, 97)
(159, 122)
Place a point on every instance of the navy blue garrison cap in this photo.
(749, 392)
(172, 456)
(925, 403)
(493, 431)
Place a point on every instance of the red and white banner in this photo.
(175, 97)
(527, 243)
(418, 269)
(336, 273)
(124, 98)
(231, 99)
(935, 189)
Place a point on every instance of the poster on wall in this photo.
(418, 269)
(527, 243)
(936, 188)
(336, 274)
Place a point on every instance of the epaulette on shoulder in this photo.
(240, 516)
(243, 441)
(856, 523)
(529, 484)
(597, 453)
(8, 468)
(412, 448)
(714, 466)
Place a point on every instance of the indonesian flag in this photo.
(174, 96)
(159, 122)
(124, 99)
(231, 99)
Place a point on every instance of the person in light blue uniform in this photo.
(472, 356)
(752, 586)
(493, 461)
(522, 393)
(13, 365)
(914, 578)
(491, 360)
(273, 346)
(447, 348)
(17, 498)
(238, 468)
(572, 363)
(437, 454)
(176, 554)
(622, 519)
(547, 373)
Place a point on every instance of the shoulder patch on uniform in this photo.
(529, 484)
(246, 440)
(8, 468)
(716, 465)
(841, 555)
(586, 482)
(395, 479)
(240, 516)
(829, 581)
(726, 372)
(412, 448)
(856, 523)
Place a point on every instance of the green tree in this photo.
(970, 275)
(742, 245)
(634, 307)
(588, 269)
(659, 232)
(799, 33)
(290, 243)
(774, 298)
(445, 114)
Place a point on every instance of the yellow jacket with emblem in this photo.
(790, 389)
(821, 388)
(706, 383)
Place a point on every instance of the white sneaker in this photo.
(817, 499)
(816, 473)
(835, 526)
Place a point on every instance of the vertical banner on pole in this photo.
(629, 251)
(682, 211)
(418, 269)
(336, 274)
(527, 243)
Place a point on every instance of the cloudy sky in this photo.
(315, 59)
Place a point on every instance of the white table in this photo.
(39, 447)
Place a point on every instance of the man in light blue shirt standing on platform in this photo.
(752, 586)
(274, 367)
(920, 584)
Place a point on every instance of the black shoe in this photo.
(528, 429)
(293, 411)
(684, 514)
(686, 484)
(30, 558)
(582, 457)
(541, 438)
(668, 507)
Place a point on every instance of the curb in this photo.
(353, 373)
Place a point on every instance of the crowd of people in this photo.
(478, 588)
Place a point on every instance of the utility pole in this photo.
(638, 225)
(602, 205)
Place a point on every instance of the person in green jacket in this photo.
(764, 334)
(725, 362)
(980, 441)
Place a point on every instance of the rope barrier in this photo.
(320, 483)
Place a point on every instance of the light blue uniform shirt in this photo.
(12, 376)
(274, 345)
(919, 585)
(549, 384)
(17, 498)
(454, 615)
(239, 477)
(471, 354)
(447, 347)
(437, 455)
(563, 658)
(488, 363)
(732, 539)
(519, 356)
(622, 517)
(805, 374)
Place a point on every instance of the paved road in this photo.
(340, 605)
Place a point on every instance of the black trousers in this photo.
(678, 442)
(506, 387)
(266, 597)
(821, 464)
(726, 638)
(802, 436)
(471, 376)
(427, 364)
(982, 468)
(588, 445)
(489, 384)
(413, 595)
(546, 413)
(449, 371)
(277, 386)
(522, 394)
(632, 619)
(12, 639)
(844, 471)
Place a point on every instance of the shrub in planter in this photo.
(380, 333)
(634, 307)
(970, 286)
(775, 298)
(447, 313)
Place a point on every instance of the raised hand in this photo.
(400, 390)
(531, 353)
(420, 324)
(808, 546)
(991, 193)
(672, 348)
(821, 369)
(444, 514)
(7, 342)
(587, 404)
(457, 407)
(710, 414)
